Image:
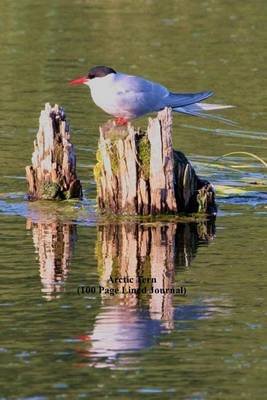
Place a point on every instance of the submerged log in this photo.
(52, 174)
(139, 173)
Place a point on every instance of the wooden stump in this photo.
(52, 174)
(139, 173)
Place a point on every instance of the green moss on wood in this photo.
(66, 195)
(50, 191)
(144, 155)
(114, 158)
(98, 168)
(117, 133)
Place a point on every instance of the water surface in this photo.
(209, 344)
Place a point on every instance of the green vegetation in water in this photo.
(245, 153)
(108, 217)
(65, 210)
(144, 155)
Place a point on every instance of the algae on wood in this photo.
(139, 173)
(52, 174)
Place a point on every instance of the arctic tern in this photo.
(127, 97)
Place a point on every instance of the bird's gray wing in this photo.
(143, 96)
(175, 100)
(139, 95)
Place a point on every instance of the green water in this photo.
(210, 344)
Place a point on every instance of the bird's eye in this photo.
(91, 76)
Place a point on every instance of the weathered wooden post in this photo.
(139, 173)
(52, 174)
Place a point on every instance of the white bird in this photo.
(127, 97)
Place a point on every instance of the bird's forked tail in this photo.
(199, 110)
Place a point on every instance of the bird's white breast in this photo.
(104, 93)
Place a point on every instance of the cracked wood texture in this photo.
(139, 173)
(52, 174)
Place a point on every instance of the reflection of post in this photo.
(146, 254)
(138, 260)
(118, 256)
(187, 239)
(54, 242)
(163, 270)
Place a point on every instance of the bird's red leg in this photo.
(120, 121)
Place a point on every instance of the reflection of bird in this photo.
(120, 330)
(127, 97)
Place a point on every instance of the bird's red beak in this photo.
(79, 81)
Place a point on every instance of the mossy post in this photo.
(52, 174)
(139, 173)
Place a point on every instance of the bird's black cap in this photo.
(100, 71)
